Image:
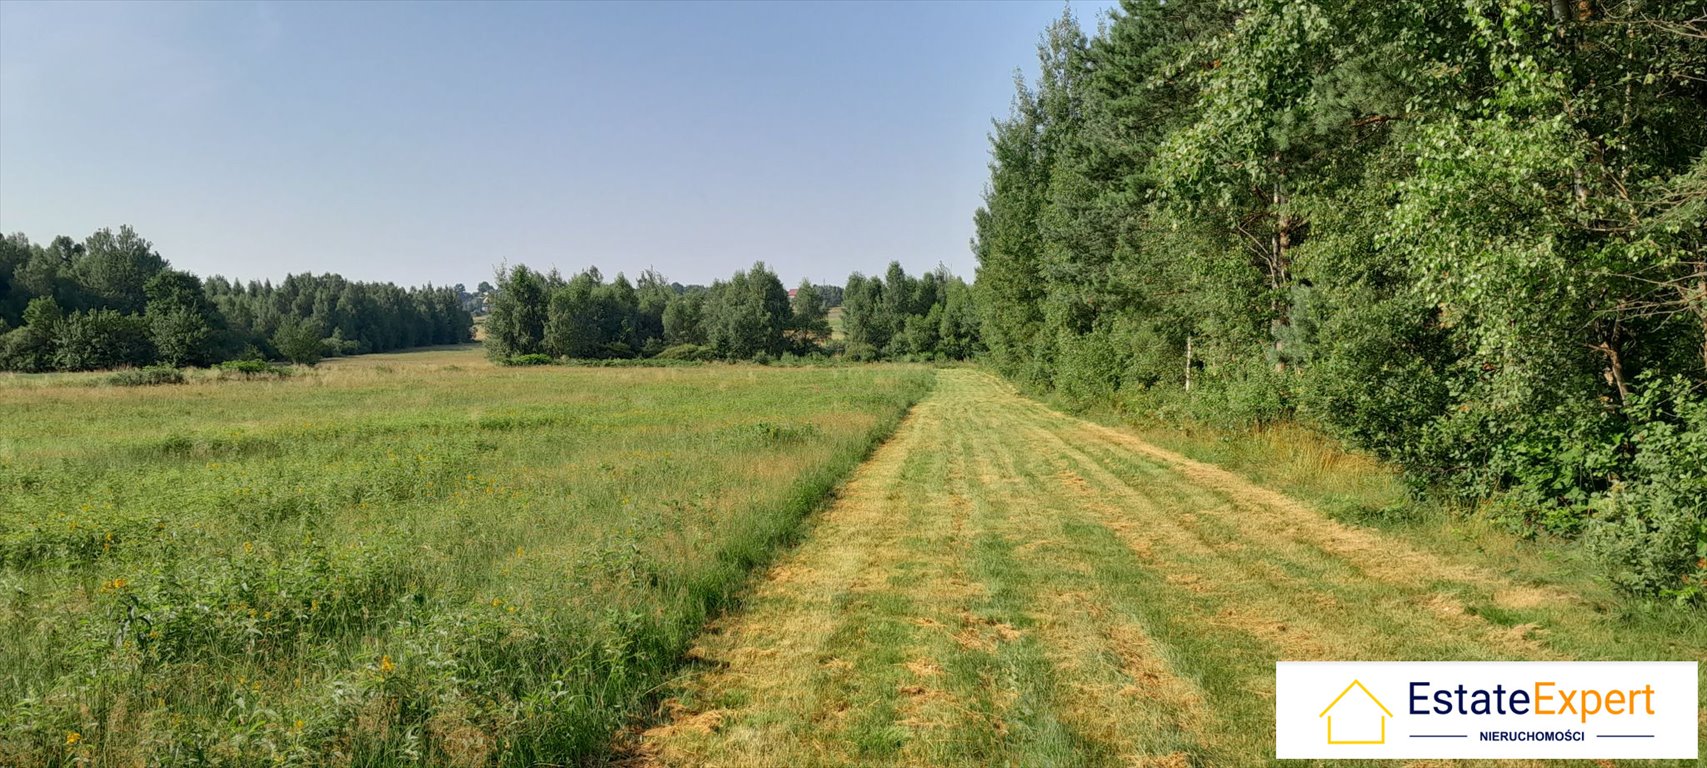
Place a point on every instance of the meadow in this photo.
(1006, 584)
(414, 558)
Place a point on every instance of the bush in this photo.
(1244, 394)
(26, 350)
(860, 352)
(1378, 379)
(1650, 541)
(253, 368)
(1088, 369)
(692, 352)
(1651, 534)
(535, 358)
(101, 338)
(146, 377)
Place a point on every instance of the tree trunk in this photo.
(1278, 277)
(1188, 363)
(1701, 312)
(1615, 369)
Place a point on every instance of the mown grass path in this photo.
(1003, 584)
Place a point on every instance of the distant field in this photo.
(838, 328)
(460, 355)
(409, 558)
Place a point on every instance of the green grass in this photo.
(415, 558)
(1359, 490)
(1004, 584)
(838, 326)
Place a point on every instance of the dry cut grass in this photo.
(1007, 585)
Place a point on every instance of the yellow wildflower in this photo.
(72, 737)
(385, 664)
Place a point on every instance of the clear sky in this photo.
(429, 142)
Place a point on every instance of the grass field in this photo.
(1003, 584)
(413, 558)
(423, 559)
(838, 328)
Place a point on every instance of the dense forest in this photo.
(537, 317)
(111, 301)
(1467, 237)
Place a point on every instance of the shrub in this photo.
(860, 352)
(1378, 381)
(1651, 534)
(1088, 369)
(26, 350)
(252, 368)
(101, 338)
(1244, 394)
(146, 377)
(693, 352)
(535, 358)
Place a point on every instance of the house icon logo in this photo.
(1363, 719)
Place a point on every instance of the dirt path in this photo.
(1003, 584)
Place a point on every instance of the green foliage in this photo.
(299, 341)
(181, 319)
(101, 338)
(253, 368)
(533, 359)
(30, 349)
(1651, 533)
(516, 324)
(181, 336)
(747, 315)
(929, 317)
(187, 321)
(146, 377)
(750, 316)
(1460, 236)
(115, 268)
(809, 323)
(694, 352)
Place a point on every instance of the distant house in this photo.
(792, 292)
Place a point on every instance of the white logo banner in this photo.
(1496, 709)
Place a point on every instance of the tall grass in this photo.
(444, 563)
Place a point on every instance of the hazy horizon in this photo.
(418, 144)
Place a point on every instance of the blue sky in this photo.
(428, 142)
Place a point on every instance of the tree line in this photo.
(903, 317)
(112, 301)
(539, 316)
(1467, 237)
